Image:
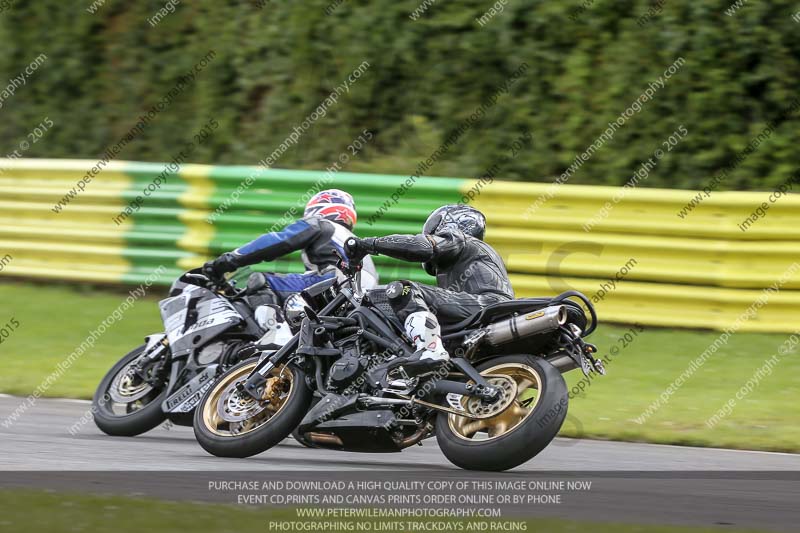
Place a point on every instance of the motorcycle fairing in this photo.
(185, 399)
(195, 317)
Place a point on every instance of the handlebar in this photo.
(207, 282)
(349, 266)
(199, 277)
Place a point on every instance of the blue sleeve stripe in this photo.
(271, 239)
(294, 282)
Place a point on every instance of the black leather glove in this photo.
(216, 269)
(357, 249)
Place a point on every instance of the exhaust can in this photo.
(533, 323)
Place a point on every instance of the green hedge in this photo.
(275, 64)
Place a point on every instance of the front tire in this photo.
(229, 425)
(521, 431)
(142, 413)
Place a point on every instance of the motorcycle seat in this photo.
(493, 311)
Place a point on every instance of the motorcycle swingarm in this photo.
(445, 386)
(481, 388)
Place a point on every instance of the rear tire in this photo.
(129, 425)
(520, 443)
(224, 443)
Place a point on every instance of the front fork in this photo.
(154, 355)
(256, 382)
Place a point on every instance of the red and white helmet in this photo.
(334, 205)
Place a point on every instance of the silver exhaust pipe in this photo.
(534, 323)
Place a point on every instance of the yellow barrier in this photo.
(642, 262)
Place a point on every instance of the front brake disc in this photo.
(235, 407)
(127, 387)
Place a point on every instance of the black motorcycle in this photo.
(210, 325)
(499, 401)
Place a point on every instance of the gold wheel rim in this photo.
(529, 386)
(276, 393)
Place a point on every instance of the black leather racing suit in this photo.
(470, 274)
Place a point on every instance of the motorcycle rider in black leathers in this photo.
(470, 275)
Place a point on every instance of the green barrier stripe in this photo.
(153, 238)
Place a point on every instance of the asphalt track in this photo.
(637, 483)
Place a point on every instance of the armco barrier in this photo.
(700, 271)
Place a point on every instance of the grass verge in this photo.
(68, 513)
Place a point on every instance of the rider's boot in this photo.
(430, 355)
(423, 328)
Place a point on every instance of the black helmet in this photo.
(460, 216)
